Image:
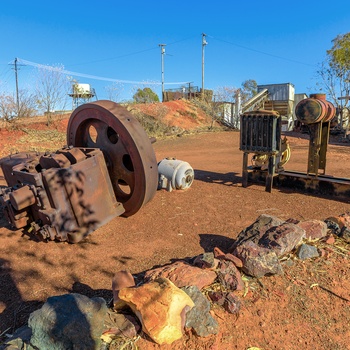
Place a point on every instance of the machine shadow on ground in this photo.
(227, 179)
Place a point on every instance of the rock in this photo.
(205, 261)
(182, 274)
(71, 321)
(161, 308)
(345, 234)
(234, 259)
(330, 240)
(117, 325)
(293, 221)
(121, 279)
(282, 239)
(229, 276)
(258, 261)
(314, 229)
(333, 225)
(307, 251)
(19, 340)
(227, 300)
(219, 254)
(324, 253)
(199, 317)
(340, 225)
(344, 220)
(256, 230)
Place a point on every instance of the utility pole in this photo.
(16, 65)
(162, 51)
(16, 75)
(204, 43)
(189, 90)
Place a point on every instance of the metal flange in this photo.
(127, 149)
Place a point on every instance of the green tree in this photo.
(145, 95)
(249, 89)
(339, 54)
(334, 72)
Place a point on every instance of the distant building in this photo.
(281, 99)
(187, 92)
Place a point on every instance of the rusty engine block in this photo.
(55, 194)
(109, 169)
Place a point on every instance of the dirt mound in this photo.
(181, 113)
(158, 119)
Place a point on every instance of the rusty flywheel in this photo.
(128, 152)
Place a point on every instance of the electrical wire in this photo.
(95, 77)
(113, 58)
(262, 52)
(128, 54)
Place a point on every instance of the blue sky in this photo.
(271, 42)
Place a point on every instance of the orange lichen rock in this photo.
(161, 308)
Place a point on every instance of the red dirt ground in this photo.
(306, 308)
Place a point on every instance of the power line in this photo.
(113, 58)
(262, 52)
(179, 41)
(7, 75)
(83, 75)
(126, 55)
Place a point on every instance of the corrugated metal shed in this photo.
(279, 92)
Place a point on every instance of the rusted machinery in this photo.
(316, 112)
(260, 135)
(109, 169)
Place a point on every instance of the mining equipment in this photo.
(260, 134)
(107, 169)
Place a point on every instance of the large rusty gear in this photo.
(127, 149)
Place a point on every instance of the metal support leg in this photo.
(324, 144)
(314, 148)
(245, 170)
(271, 173)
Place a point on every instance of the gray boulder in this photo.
(282, 239)
(256, 230)
(70, 321)
(199, 317)
(307, 251)
(258, 261)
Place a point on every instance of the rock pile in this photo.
(177, 296)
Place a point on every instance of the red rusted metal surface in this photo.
(60, 196)
(128, 151)
(315, 109)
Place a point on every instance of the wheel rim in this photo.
(128, 152)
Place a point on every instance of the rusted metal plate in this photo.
(62, 196)
(129, 154)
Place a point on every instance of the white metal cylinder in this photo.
(175, 174)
